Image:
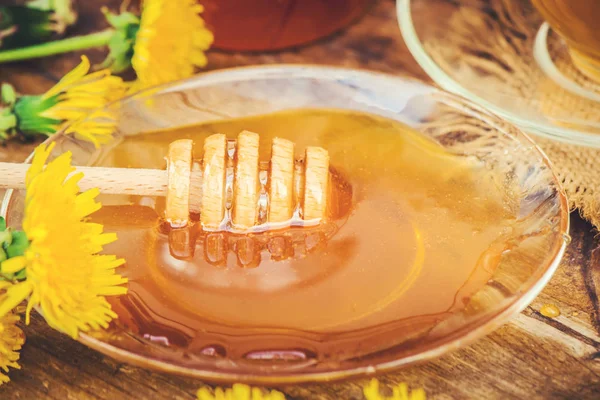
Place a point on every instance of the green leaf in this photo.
(22, 274)
(62, 10)
(8, 125)
(19, 244)
(15, 251)
(2, 224)
(8, 119)
(8, 94)
(25, 26)
(28, 110)
(3, 255)
(121, 43)
(121, 21)
(5, 238)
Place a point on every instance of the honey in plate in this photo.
(422, 233)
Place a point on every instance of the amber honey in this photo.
(420, 237)
(277, 24)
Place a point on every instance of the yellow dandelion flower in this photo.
(11, 340)
(399, 392)
(65, 275)
(170, 43)
(76, 95)
(239, 392)
(167, 42)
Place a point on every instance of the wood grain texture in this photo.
(531, 357)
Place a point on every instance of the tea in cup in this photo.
(576, 21)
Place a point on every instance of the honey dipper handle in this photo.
(128, 181)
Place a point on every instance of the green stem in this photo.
(98, 39)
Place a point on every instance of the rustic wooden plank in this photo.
(531, 357)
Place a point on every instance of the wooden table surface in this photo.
(528, 358)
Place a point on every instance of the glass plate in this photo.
(500, 54)
(516, 165)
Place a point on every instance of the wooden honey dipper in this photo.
(292, 189)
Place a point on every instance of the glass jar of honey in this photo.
(261, 25)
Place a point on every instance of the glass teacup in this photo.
(577, 23)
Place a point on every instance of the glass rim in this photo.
(441, 78)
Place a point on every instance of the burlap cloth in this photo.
(578, 169)
(511, 79)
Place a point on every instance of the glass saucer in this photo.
(515, 274)
(502, 55)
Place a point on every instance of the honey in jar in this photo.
(276, 24)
